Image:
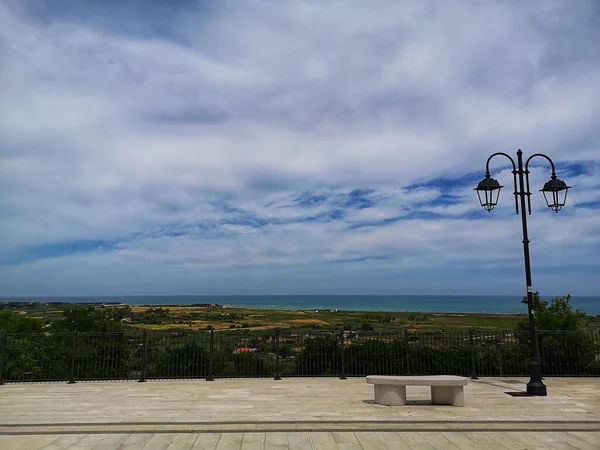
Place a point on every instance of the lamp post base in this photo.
(536, 386)
(537, 389)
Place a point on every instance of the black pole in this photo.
(2, 358)
(210, 356)
(72, 379)
(473, 372)
(143, 368)
(343, 375)
(277, 377)
(535, 385)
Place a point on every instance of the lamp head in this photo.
(488, 191)
(555, 193)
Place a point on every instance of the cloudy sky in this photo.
(298, 147)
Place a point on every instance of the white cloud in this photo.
(143, 139)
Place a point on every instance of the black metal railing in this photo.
(277, 354)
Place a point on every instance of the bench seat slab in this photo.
(432, 380)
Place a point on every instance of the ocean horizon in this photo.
(473, 304)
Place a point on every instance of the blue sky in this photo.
(297, 147)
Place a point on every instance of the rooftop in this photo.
(323, 413)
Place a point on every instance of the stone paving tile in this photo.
(392, 440)
(230, 441)
(135, 441)
(347, 440)
(10, 442)
(159, 441)
(496, 441)
(183, 441)
(462, 441)
(64, 441)
(416, 441)
(323, 440)
(370, 440)
(206, 441)
(299, 441)
(88, 442)
(590, 438)
(276, 441)
(253, 441)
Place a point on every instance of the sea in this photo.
(483, 304)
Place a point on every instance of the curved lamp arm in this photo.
(527, 174)
(487, 174)
(543, 156)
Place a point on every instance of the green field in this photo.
(201, 318)
(197, 318)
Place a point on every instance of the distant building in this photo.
(244, 350)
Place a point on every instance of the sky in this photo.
(297, 147)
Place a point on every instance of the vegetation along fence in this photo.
(274, 353)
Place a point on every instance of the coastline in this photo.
(429, 304)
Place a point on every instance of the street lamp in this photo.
(555, 193)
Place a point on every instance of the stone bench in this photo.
(445, 389)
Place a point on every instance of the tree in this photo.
(121, 313)
(320, 356)
(86, 320)
(558, 316)
(566, 348)
(19, 323)
(31, 355)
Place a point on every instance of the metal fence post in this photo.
(143, 368)
(277, 377)
(500, 361)
(210, 357)
(407, 354)
(2, 356)
(72, 379)
(540, 351)
(596, 339)
(343, 374)
(473, 372)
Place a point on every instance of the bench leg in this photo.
(390, 395)
(448, 395)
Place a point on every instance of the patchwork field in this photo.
(220, 318)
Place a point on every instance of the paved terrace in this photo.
(294, 414)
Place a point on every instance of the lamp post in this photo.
(555, 193)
